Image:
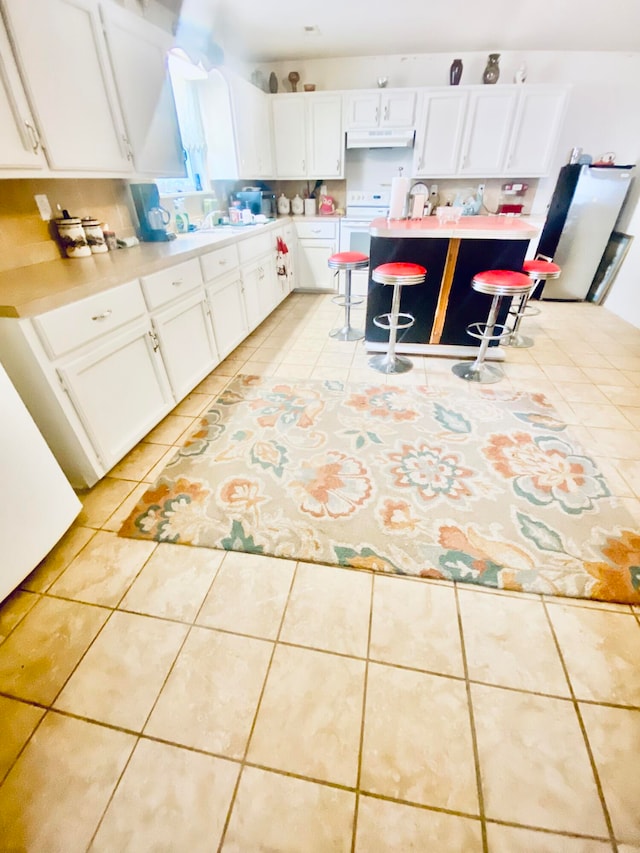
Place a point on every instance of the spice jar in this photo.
(72, 238)
(94, 235)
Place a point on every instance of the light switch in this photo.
(43, 206)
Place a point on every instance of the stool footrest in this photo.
(343, 302)
(383, 321)
(479, 331)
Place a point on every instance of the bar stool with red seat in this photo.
(347, 261)
(398, 275)
(499, 284)
(540, 269)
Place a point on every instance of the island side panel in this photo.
(465, 304)
(419, 300)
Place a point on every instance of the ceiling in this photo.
(262, 31)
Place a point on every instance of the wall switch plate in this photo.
(43, 206)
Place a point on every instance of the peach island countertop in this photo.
(466, 228)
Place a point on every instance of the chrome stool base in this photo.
(347, 333)
(396, 364)
(482, 374)
(521, 341)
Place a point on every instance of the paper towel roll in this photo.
(399, 192)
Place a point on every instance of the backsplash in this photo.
(26, 239)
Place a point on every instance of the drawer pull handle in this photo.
(104, 315)
(222, 262)
(316, 230)
(177, 282)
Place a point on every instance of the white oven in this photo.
(362, 208)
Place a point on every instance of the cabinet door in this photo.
(313, 272)
(186, 343)
(487, 129)
(62, 55)
(252, 278)
(138, 52)
(397, 109)
(324, 136)
(262, 136)
(227, 314)
(19, 141)
(289, 136)
(120, 391)
(537, 123)
(244, 101)
(439, 136)
(362, 110)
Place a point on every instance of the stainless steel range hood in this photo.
(391, 138)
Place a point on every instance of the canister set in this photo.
(81, 238)
(297, 206)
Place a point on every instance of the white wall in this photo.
(624, 297)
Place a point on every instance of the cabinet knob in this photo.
(103, 316)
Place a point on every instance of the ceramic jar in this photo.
(284, 205)
(492, 69)
(72, 238)
(95, 238)
(297, 206)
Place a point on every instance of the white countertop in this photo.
(466, 228)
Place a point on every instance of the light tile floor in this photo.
(155, 697)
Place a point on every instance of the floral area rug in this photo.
(481, 486)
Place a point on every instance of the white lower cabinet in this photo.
(186, 342)
(228, 315)
(317, 241)
(99, 373)
(261, 289)
(119, 389)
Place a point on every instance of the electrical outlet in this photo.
(43, 206)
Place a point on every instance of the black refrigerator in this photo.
(582, 214)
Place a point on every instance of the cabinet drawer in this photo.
(166, 285)
(256, 246)
(220, 262)
(71, 326)
(317, 230)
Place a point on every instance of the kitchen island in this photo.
(452, 254)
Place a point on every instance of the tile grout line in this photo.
(363, 718)
(162, 686)
(243, 762)
(594, 769)
(474, 736)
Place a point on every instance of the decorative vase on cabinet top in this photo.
(492, 69)
(455, 72)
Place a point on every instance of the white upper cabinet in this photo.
(367, 110)
(307, 135)
(537, 123)
(138, 53)
(61, 54)
(325, 143)
(20, 146)
(237, 127)
(439, 134)
(487, 130)
(289, 136)
(250, 111)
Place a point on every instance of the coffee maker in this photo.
(153, 218)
